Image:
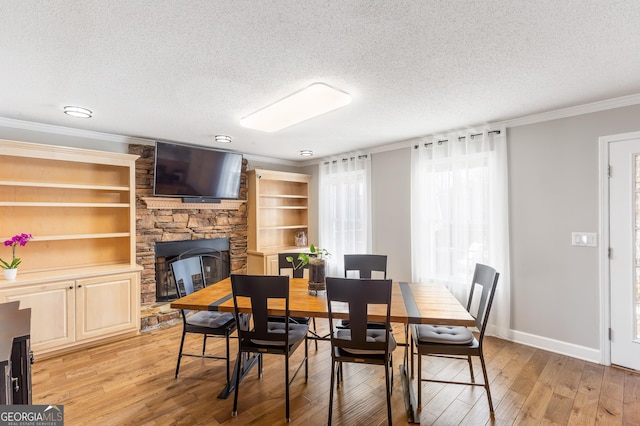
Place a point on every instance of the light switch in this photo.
(584, 239)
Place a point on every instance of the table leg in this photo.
(413, 415)
(245, 362)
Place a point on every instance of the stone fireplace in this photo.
(175, 224)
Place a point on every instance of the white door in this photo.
(624, 263)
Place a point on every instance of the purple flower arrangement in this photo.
(16, 240)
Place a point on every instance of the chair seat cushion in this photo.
(294, 320)
(370, 324)
(297, 332)
(373, 335)
(451, 335)
(210, 319)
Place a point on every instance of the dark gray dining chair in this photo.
(207, 323)
(264, 336)
(285, 265)
(365, 264)
(457, 341)
(359, 343)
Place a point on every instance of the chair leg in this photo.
(473, 377)
(486, 384)
(306, 359)
(411, 355)
(234, 413)
(388, 383)
(333, 373)
(419, 381)
(228, 360)
(204, 344)
(286, 384)
(313, 319)
(391, 367)
(180, 353)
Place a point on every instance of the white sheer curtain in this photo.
(345, 208)
(459, 214)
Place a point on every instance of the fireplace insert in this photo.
(215, 260)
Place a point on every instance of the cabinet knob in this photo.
(79, 285)
(70, 287)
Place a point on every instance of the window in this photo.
(345, 208)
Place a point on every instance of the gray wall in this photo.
(553, 191)
(391, 205)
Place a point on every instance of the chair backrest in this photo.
(262, 291)
(283, 263)
(186, 272)
(358, 294)
(365, 264)
(487, 277)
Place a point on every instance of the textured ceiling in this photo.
(188, 70)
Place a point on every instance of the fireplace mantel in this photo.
(176, 203)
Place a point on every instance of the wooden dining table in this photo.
(411, 303)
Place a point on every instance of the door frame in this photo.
(605, 283)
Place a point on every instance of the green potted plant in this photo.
(316, 261)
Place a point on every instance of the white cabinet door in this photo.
(106, 305)
(271, 265)
(52, 312)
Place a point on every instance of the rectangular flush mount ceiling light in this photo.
(310, 102)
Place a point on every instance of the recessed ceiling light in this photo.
(223, 138)
(306, 153)
(77, 112)
(310, 102)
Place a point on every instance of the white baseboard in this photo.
(557, 346)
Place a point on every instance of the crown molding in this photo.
(108, 137)
(272, 160)
(608, 104)
(70, 131)
(573, 111)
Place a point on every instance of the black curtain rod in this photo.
(360, 157)
(440, 142)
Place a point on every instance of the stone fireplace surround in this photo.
(175, 224)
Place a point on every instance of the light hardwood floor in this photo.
(131, 382)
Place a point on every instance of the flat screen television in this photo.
(198, 174)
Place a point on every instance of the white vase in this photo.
(10, 274)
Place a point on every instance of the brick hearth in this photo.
(176, 225)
